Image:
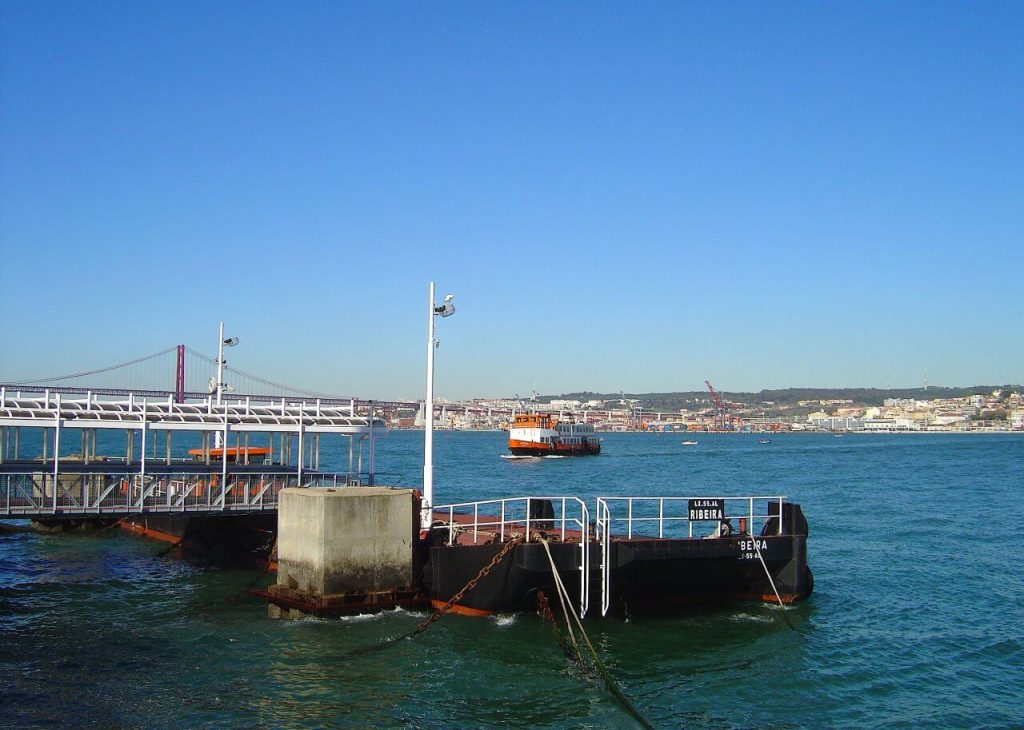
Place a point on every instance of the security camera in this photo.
(448, 297)
(231, 341)
(446, 310)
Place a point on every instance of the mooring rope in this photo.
(764, 565)
(562, 598)
(785, 610)
(595, 659)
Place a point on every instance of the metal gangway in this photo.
(247, 452)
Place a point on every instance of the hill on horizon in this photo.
(784, 396)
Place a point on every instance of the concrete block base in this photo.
(346, 540)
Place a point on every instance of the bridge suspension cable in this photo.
(97, 371)
(261, 380)
(158, 374)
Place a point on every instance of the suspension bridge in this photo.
(165, 434)
(186, 374)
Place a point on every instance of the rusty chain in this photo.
(468, 587)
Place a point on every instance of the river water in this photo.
(917, 619)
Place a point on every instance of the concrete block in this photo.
(346, 539)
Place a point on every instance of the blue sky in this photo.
(621, 196)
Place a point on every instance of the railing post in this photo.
(629, 523)
(56, 453)
(527, 519)
(661, 517)
(584, 555)
(142, 458)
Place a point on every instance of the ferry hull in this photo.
(525, 448)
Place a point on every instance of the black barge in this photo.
(639, 554)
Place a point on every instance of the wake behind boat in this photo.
(514, 457)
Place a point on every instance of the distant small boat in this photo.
(689, 443)
(838, 435)
(764, 441)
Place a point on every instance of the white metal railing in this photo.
(603, 516)
(41, 494)
(669, 517)
(163, 413)
(488, 519)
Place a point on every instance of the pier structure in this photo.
(245, 451)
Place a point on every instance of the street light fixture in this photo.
(446, 309)
(221, 362)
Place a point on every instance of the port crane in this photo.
(722, 415)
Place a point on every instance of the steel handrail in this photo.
(503, 521)
(661, 519)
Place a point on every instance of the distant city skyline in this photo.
(620, 198)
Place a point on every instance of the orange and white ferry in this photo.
(541, 434)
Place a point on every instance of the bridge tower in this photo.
(179, 377)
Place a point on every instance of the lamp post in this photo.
(444, 310)
(230, 342)
(219, 439)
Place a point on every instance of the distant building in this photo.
(837, 423)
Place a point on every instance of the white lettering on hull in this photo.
(748, 551)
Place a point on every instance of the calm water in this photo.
(917, 620)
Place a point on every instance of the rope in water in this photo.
(594, 659)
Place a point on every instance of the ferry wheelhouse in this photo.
(542, 434)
